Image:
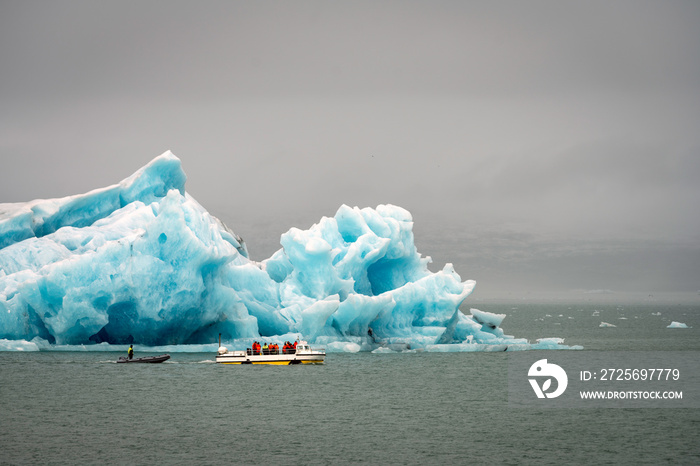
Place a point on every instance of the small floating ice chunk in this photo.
(487, 318)
(342, 347)
(18, 345)
(606, 325)
(549, 343)
(383, 350)
(675, 324)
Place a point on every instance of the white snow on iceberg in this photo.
(143, 262)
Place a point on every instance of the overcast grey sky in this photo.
(540, 145)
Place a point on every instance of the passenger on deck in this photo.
(130, 352)
(265, 348)
(256, 347)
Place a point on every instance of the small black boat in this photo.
(146, 359)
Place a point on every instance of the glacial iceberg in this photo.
(141, 261)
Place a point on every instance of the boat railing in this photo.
(250, 352)
(274, 352)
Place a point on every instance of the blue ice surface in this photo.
(142, 262)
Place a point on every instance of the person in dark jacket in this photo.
(131, 352)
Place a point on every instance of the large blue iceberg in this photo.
(141, 261)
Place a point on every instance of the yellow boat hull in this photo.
(274, 363)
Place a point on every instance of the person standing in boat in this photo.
(130, 352)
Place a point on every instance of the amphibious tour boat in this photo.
(301, 354)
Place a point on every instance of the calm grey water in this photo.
(409, 408)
